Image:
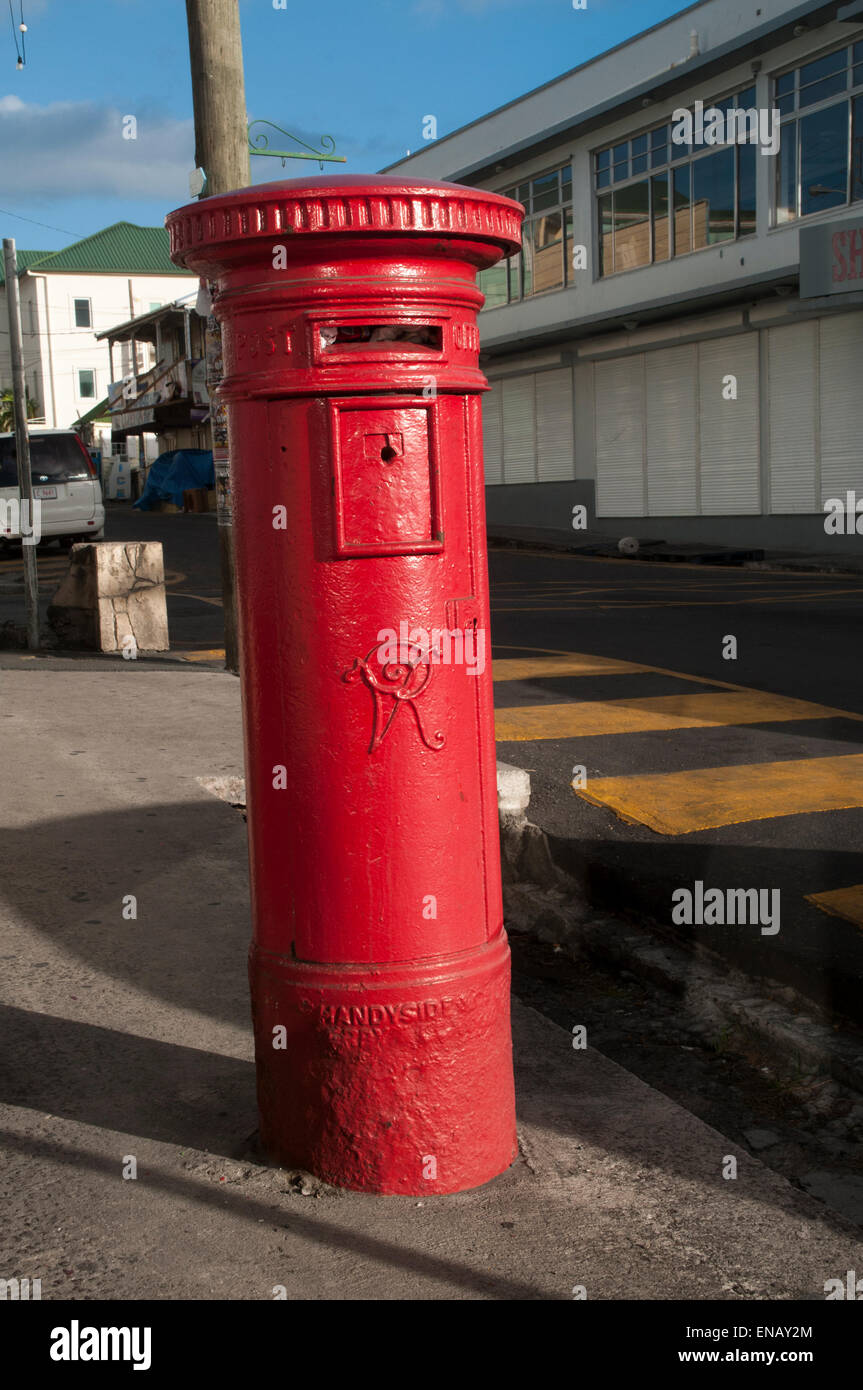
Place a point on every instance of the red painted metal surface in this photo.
(379, 965)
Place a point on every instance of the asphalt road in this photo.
(738, 773)
(191, 556)
(691, 764)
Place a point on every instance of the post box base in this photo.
(388, 1079)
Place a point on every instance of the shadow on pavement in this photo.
(224, 1201)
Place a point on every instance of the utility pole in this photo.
(22, 446)
(221, 150)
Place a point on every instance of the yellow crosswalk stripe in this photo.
(841, 902)
(706, 709)
(676, 803)
(578, 664)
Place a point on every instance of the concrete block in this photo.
(113, 598)
(513, 790)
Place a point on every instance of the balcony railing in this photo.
(138, 403)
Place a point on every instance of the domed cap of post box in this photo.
(349, 205)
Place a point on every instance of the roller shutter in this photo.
(519, 430)
(492, 436)
(619, 406)
(841, 413)
(792, 366)
(672, 435)
(554, 426)
(729, 443)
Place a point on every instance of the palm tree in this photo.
(7, 411)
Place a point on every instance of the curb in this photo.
(542, 900)
(753, 558)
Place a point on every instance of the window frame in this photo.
(82, 327)
(798, 113)
(676, 157)
(82, 395)
(513, 266)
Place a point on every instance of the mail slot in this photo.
(382, 337)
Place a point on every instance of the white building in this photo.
(678, 347)
(69, 296)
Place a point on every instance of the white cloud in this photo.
(77, 148)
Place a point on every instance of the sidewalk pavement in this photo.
(131, 1039)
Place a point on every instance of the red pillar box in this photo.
(379, 965)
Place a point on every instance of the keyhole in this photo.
(388, 453)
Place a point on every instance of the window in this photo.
(542, 252)
(659, 147)
(631, 221)
(682, 212)
(55, 458)
(86, 383)
(713, 198)
(659, 215)
(493, 284)
(83, 314)
(820, 160)
(823, 159)
(746, 190)
(545, 261)
(657, 199)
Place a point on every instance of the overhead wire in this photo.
(65, 230)
(21, 52)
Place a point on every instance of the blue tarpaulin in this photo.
(172, 473)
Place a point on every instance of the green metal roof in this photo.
(100, 412)
(23, 259)
(122, 249)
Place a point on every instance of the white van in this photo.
(64, 483)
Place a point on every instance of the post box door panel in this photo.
(385, 478)
(403, 814)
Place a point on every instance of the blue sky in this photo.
(364, 71)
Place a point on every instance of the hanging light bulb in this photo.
(23, 28)
(20, 63)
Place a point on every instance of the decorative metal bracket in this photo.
(259, 144)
